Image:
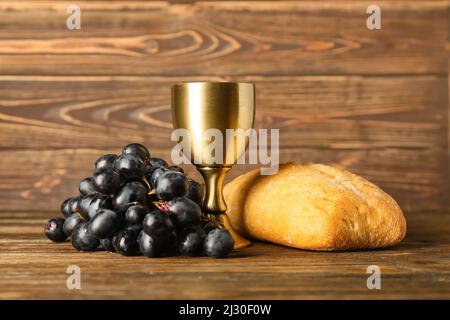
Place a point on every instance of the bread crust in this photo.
(315, 207)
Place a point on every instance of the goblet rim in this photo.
(180, 84)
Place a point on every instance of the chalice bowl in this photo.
(209, 111)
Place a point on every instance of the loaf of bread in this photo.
(314, 207)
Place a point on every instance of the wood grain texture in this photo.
(32, 267)
(89, 112)
(392, 131)
(223, 38)
(41, 180)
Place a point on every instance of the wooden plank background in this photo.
(373, 101)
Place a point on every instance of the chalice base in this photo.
(239, 241)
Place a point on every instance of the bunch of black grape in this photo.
(134, 204)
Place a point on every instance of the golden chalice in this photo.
(205, 107)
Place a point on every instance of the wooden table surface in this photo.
(32, 267)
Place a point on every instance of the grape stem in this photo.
(146, 182)
(160, 204)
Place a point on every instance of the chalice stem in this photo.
(214, 204)
(214, 177)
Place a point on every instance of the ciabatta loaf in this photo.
(314, 207)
